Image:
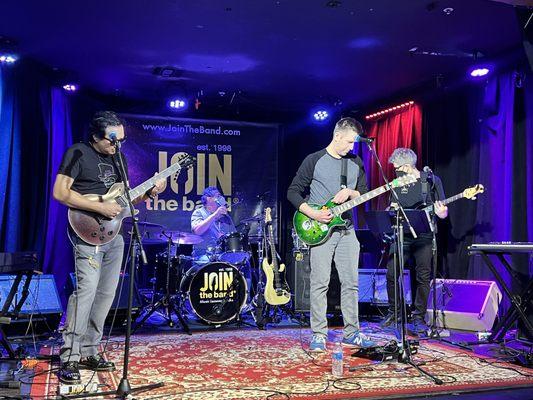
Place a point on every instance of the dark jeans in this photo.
(420, 250)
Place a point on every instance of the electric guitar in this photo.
(276, 289)
(312, 232)
(94, 228)
(469, 193)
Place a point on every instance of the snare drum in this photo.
(233, 248)
(210, 292)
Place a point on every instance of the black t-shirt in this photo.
(93, 172)
(411, 196)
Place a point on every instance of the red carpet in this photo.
(252, 364)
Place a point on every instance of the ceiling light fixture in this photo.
(390, 109)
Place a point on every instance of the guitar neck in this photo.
(143, 187)
(445, 201)
(341, 208)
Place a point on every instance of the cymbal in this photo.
(179, 237)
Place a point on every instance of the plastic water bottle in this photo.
(336, 360)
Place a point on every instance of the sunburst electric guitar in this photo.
(312, 232)
(276, 289)
(94, 228)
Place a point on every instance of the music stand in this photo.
(381, 224)
(392, 223)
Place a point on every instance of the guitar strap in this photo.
(344, 171)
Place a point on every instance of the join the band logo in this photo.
(216, 284)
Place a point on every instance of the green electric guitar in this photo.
(312, 232)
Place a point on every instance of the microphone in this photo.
(221, 201)
(362, 139)
(428, 171)
(113, 139)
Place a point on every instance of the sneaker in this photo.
(318, 343)
(69, 373)
(417, 327)
(388, 320)
(97, 363)
(358, 340)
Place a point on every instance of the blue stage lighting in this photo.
(321, 115)
(177, 104)
(70, 87)
(8, 58)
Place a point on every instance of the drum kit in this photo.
(214, 288)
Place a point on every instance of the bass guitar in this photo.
(312, 232)
(94, 228)
(469, 193)
(276, 289)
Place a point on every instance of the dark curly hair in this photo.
(100, 121)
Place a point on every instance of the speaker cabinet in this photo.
(300, 282)
(373, 286)
(41, 311)
(120, 304)
(465, 305)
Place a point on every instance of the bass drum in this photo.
(215, 292)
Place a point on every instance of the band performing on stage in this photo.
(232, 271)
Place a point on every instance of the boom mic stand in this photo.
(124, 389)
(401, 216)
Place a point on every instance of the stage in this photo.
(246, 363)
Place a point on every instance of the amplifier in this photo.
(373, 286)
(299, 281)
(42, 310)
(119, 304)
(464, 304)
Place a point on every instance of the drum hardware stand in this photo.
(168, 301)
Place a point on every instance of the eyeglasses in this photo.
(119, 140)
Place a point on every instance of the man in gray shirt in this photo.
(320, 175)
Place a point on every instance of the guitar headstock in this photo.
(185, 161)
(471, 192)
(403, 181)
(268, 215)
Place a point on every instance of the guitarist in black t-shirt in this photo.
(92, 168)
(426, 191)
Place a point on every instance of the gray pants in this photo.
(97, 273)
(343, 248)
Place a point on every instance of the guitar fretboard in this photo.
(143, 187)
(445, 201)
(341, 208)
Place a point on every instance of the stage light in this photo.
(70, 87)
(8, 58)
(479, 72)
(388, 110)
(177, 104)
(320, 115)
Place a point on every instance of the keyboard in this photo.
(503, 247)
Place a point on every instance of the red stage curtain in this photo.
(400, 129)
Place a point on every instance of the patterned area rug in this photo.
(253, 364)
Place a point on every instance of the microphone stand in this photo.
(124, 389)
(404, 348)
